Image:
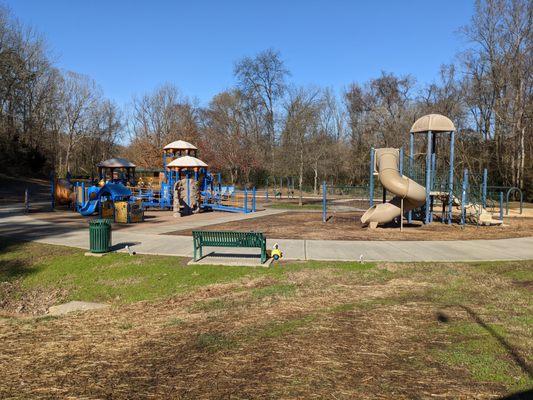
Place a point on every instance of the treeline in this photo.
(266, 126)
(49, 119)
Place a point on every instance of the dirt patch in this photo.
(14, 301)
(525, 284)
(309, 225)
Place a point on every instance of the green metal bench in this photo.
(228, 239)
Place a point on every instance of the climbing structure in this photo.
(430, 166)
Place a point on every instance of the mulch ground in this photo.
(347, 226)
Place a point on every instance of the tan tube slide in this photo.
(413, 194)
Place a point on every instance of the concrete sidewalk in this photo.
(24, 227)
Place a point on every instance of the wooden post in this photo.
(27, 200)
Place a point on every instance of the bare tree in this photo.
(79, 96)
(263, 80)
(302, 111)
(157, 119)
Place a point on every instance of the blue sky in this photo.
(130, 47)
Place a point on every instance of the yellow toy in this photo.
(276, 253)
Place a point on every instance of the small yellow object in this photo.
(276, 253)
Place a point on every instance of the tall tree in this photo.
(263, 79)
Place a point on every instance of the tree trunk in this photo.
(315, 183)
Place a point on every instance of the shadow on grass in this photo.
(525, 395)
(510, 349)
(12, 268)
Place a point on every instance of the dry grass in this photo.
(343, 332)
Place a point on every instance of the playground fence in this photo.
(344, 202)
(235, 200)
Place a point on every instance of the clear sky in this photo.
(130, 47)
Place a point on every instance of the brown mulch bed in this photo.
(309, 225)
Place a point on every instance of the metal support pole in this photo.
(371, 178)
(428, 178)
(52, 190)
(82, 194)
(464, 197)
(266, 191)
(411, 162)
(165, 166)
(450, 177)
(501, 206)
(245, 200)
(400, 166)
(433, 170)
(253, 199)
(324, 201)
(484, 188)
(433, 175)
(401, 215)
(188, 192)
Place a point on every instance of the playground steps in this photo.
(476, 212)
(481, 216)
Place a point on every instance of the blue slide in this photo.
(113, 191)
(89, 207)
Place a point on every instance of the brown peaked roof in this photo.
(116, 163)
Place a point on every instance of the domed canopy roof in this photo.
(434, 123)
(116, 163)
(180, 145)
(187, 162)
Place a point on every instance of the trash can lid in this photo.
(100, 221)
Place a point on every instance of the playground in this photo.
(422, 275)
(266, 200)
(412, 193)
(415, 195)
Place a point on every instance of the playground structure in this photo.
(185, 185)
(431, 182)
(409, 195)
(194, 188)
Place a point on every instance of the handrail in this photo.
(513, 189)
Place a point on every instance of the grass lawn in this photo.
(296, 330)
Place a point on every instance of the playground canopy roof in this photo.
(180, 145)
(116, 163)
(433, 123)
(114, 190)
(187, 162)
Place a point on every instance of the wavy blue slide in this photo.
(89, 208)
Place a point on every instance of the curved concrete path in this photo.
(23, 227)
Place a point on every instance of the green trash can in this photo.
(99, 235)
